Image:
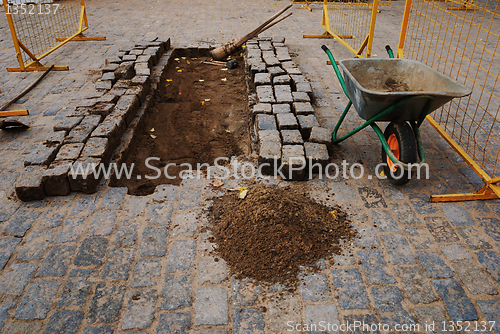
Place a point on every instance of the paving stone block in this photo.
(82, 131)
(383, 221)
(139, 91)
(36, 245)
(257, 66)
(56, 262)
(405, 213)
(431, 315)
(29, 187)
(74, 294)
(109, 76)
(111, 128)
(212, 269)
(55, 178)
(457, 215)
(316, 154)
(72, 228)
(398, 249)
(91, 252)
(455, 300)
(181, 256)
(302, 86)
(85, 206)
(113, 198)
(287, 121)
(422, 205)
(292, 137)
(265, 122)
(64, 322)
(491, 309)
(350, 288)
(102, 223)
(66, 123)
(7, 246)
(142, 69)
(474, 278)
(303, 108)
(136, 52)
(254, 53)
(174, 323)
(153, 51)
(145, 271)
(184, 224)
(141, 80)
(262, 79)
(300, 97)
(315, 314)
(47, 150)
(118, 263)
(102, 109)
(211, 306)
(281, 108)
(321, 135)
(177, 292)
(441, 230)
(126, 233)
(314, 287)
(491, 227)
(306, 123)
(417, 288)
(262, 108)
(22, 327)
(275, 70)
(69, 152)
(20, 222)
(125, 70)
(491, 262)
(36, 301)
(400, 318)
(83, 178)
(375, 267)
(283, 94)
(368, 319)
(109, 67)
(248, 321)
(127, 106)
(154, 241)
(140, 310)
(129, 58)
(265, 94)
(294, 162)
(283, 56)
(455, 252)
(16, 278)
(265, 45)
(106, 303)
(97, 147)
(372, 198)
(434, 266)
(159, 213)
(282, 80)
(103, 85)
(387, 298)
(269, 156)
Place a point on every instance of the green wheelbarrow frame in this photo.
(432, 102)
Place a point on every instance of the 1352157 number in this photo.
(467, 326)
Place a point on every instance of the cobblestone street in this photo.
(110, 262)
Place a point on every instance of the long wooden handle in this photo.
(275, 22)
(254, 32)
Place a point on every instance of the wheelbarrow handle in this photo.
(389, 51)
(336, 68)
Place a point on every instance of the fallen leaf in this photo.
(169, 80)
(223, 69)
(206, 100)
(179, 71)
(243, 192)
(334, 213)
(153, 136)
(152, 130)
(183, 57)
(167, 85)
(202, 103)
(223, 79)
(227, 131)
(177, 59)
(201, 80)
(255, 156)
(177, 67)
(382, 174)
(217, 183)
(188, 62)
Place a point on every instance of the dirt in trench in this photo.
(270, 233)
(200, 114)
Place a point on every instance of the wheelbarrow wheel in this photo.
(402, 142)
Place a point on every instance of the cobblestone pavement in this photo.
(113, 263)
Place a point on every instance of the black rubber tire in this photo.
(407, 149)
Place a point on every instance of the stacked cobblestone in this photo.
(88, 135)
(287, 130)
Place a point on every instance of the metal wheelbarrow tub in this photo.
(375, 84)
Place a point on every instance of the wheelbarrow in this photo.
(400, 91)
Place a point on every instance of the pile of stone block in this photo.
(87, 136)
(287, 130)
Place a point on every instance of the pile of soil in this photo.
(271, 232)
(200, 114)
(391, 85)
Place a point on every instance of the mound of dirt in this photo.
(272, 231)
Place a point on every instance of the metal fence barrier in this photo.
(350, 23)
(39, 27)
(464, 44)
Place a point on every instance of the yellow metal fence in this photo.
(464, 44)
(350, 23)
(39, 27)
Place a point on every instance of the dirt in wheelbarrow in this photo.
(200, 114)
(272, 232)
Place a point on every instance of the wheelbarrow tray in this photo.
(373, 85)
